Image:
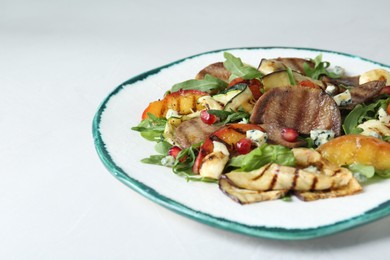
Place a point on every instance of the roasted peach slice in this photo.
(228, 135)
(349, 149)
(182, 101)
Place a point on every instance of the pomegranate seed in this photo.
(289, 134)
(207, 118)
(174, 151)
(244, 146)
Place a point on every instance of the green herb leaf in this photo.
(185, 159)
(320, 68)
(291, 77)
(151, 128)
(383, 173)
(207, 84)
(362, 113)
(154, 159)
(239, 69)
(229, 116)
(261, 156)
(362, 172)
(162, 147)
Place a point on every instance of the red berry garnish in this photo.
(289, 134)
(207, 118)
(174, 151)
(244, 146)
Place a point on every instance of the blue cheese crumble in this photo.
(320, 136)
(330, 89)
(343, 99)
(257, 136)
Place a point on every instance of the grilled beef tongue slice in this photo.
(217, 70)
(296, 63)
(193, 131)
(365, 92)
(300, 108)
(345, 81)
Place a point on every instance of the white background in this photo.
(59, 60)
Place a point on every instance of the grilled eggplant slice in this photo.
(244, 100)
(281, 79)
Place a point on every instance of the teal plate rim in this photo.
(376, 213)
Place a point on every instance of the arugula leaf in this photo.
(320, 68)
(207, 84)
(239, 69)
(362, 113)
(383, 173)
(362, 172)
(261, 156)
(229, 116)
(291, 77)
(151, 128)
(154, 159)
(184, 162)
(162, 147)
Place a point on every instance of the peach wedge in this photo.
(349, 149)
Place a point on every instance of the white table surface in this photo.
(60, 59)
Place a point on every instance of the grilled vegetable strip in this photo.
(353, 187)
(244, 196)
(276, 177)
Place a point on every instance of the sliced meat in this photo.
(192, 131)
(366, 92)
(345, 81)
(296, 63)
(274, 133)
(303, 109)
(268, 66)
(217, 70)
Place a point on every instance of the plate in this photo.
(121, 150)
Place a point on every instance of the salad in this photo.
(289, 126)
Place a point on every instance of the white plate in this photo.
(121, 150)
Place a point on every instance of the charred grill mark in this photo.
(295, 179)
(274, 179)
(314, 183)
(178, 105)
(238, 130)
(217, 139)
(262, 173)
(303, 112)
(336, 172)
(194, 103)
